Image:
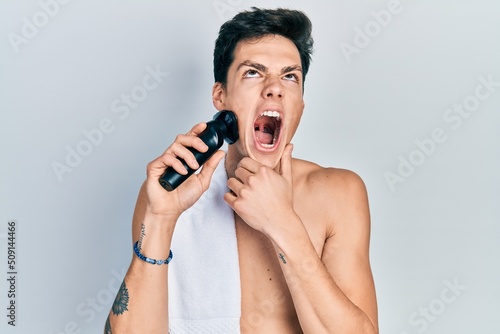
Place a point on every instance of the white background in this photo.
(365, 111)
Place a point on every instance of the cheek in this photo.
(238, 103)
(298, 109)
(294, 123)
(292, 129)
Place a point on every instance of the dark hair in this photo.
(292, 24)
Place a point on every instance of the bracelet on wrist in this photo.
(149, 260)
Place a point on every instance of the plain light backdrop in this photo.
(405, 93)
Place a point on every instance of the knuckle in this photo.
(237, 173)
(148, 169)
(166, 156)
(178, 138)
(263, 170)
(252, 181)
(238, 206)
(244, 193)
(174, 148)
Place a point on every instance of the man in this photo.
(302, 230)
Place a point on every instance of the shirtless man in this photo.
(305, 226)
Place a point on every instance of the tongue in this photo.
(263, 137)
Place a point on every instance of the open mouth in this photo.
(267, 129)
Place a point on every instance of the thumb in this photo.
(286, 163)
(209, 167)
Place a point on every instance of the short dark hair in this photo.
(255, 23)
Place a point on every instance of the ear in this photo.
(219, 96)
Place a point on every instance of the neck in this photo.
(231, 162)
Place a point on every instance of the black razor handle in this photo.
(223, 126)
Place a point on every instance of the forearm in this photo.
(141, 305)
(155, 216)
(321, 305)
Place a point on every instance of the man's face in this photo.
(264, 89)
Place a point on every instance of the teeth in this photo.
(271, 114)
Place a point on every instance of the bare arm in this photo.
(332, 292)
(143, 295)
(141, 305)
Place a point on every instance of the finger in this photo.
(181, 148)
(242, 174)
(189, 140)
(286, 163)
(157, 167)
(172, 158)
(230, 198)
(234, 185)
(249, 164)
(181, 152)
(197, 129)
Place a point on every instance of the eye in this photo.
(291, 77)
(251, 74)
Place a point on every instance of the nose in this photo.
(273, 88)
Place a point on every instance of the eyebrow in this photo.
(265, 69)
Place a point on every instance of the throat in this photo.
(264, 136)
(267, 128)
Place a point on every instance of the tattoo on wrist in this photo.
(121, 301)
(143, 230)
(282, 257)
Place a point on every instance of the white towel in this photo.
(204, 276)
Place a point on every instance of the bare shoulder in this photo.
(336, 182)
(339, 193)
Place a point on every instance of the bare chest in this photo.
(266, 303)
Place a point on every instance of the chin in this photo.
(270, 159)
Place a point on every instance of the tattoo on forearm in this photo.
(119, 306)
(121, 301)
(143, 229)
(107, 327)
(282, 257)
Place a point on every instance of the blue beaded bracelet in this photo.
(152, 261)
